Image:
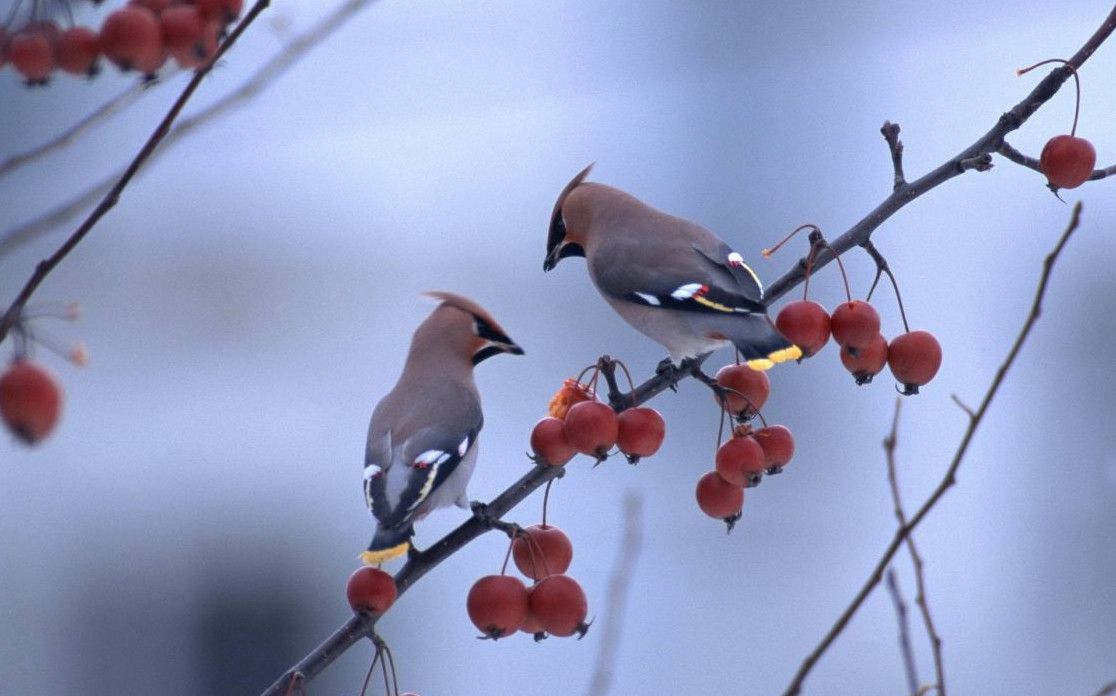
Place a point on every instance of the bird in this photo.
(422, 439)
(671, 279)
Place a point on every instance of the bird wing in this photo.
(697, 275)
(406, 461)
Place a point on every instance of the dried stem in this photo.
(890, 443)
(948, 480)
(975, 156)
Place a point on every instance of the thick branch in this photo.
(904, 531)
(976, 156)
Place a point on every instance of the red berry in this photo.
(182, 27)
(868, 361)
(30, 401)
(592, 428)
(497, 605)
(1067, 161)
(805, 324)
(740, 461)
(855, 325)
(531, 624)
(778, 446)
(32, 55)
(132, 38)
(914, 359)
(155, 6)
(559, 605)
(77, 51)
(641, 432)
(220, 10)
(750, 389)
(718, 498)
(370, 590)
(549, 442)
(544, 550)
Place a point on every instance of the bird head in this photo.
(565, 239)
(467, 328)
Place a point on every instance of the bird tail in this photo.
(387, 544)
(760, 343)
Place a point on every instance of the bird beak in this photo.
(559, 251)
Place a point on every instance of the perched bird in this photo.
(670, 278)
(422, 441)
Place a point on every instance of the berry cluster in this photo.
(745, 457)
(578, 422)
(914, 357)
(555, 604)
(140, 36)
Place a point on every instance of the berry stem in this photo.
(507, 555)
(368, 676)
(840, 265)
(1076, 82)
(546, 499)
(766, 253)
(882, 267)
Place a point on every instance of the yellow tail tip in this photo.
(375, 558)
(782, 355)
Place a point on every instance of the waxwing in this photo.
(670, 278)
(422, 441)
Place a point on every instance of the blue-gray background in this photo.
(189, 527)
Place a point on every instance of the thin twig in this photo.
(101, 113)
(1018, 157)
(252, 87)
(904, 631)
(890, 133)
(631, 544)
(948, 480)
(43, 268)
(975, 156)
(890, 443)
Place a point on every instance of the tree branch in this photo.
(976, 156)
(948, 480)
(43, 269)
(890, 443)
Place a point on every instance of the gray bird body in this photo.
(671, 279)
(422, 439)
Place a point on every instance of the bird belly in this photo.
(672, 328)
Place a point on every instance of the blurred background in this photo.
(190, 526)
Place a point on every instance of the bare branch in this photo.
(890, 443)
(890, 133)
(904, 531)
(252, 87)
(1018, 157)
(975, 156)
(904, 631)
(101, 113)
(43, 269)
(1109, 688)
